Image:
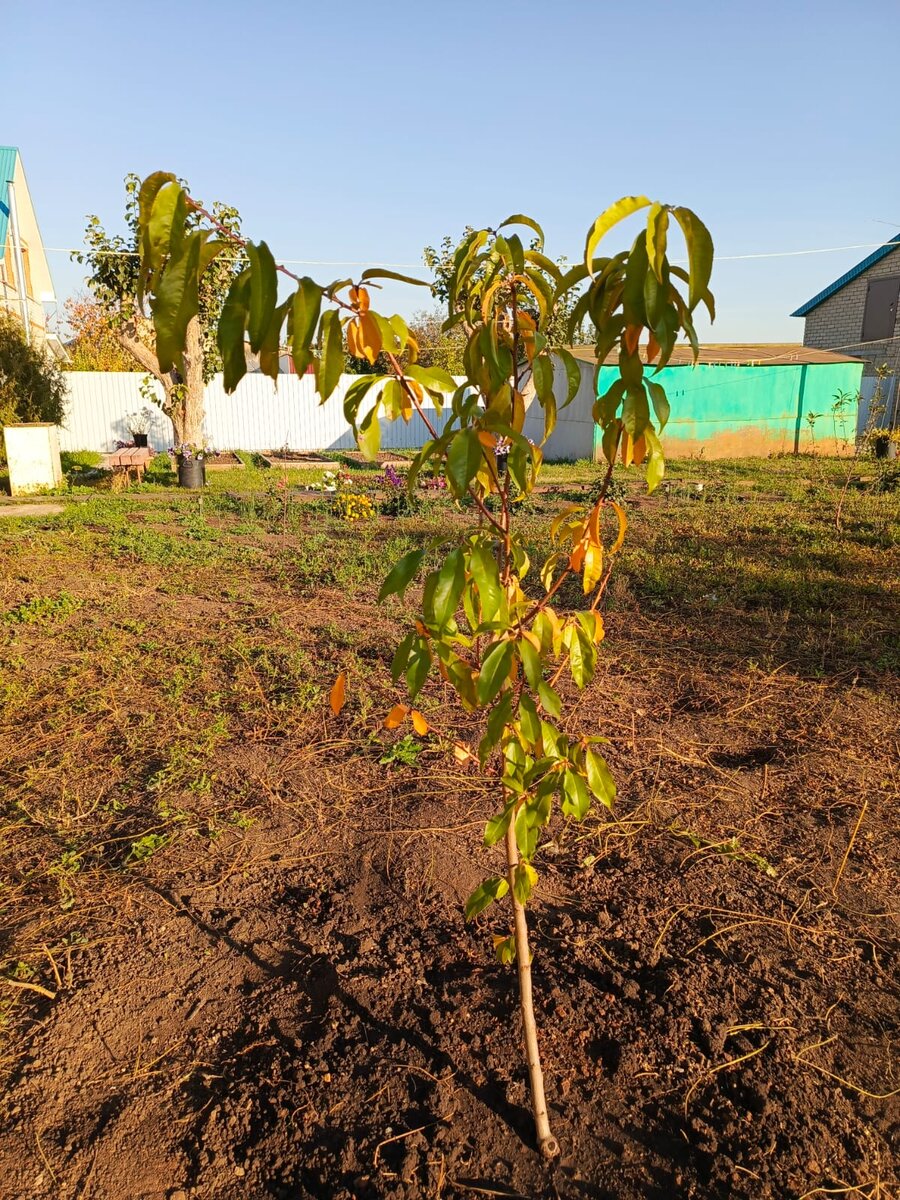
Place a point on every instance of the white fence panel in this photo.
(96, 408)
(257, 416)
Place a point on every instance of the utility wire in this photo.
(325, 262)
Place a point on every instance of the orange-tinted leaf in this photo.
(338, 697)
(420, 725)
(396, 716)
(369, 337)
(631, 338)
(652, 347)
(623, 525)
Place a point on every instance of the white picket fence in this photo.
(257, 416)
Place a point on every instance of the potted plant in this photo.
(191, 463)
(139, 425)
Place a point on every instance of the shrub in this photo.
(32, 387)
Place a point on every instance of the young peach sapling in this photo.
(484, 626)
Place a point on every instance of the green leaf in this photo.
(524, 879)
(577, 662)
(599, 779)
(529, 720)
(463, 460)
(486, 893)
(382, 273)
(497, 826)
(162, 208)
(657, 224)
(573, 375)
(486, 574)
(521, 219)
(547, 265)
(392, 399)
(418, 667)
(550, 701)
(270, 350)
(660, 403)
(448, 587)
(700, 254)
(400, 660)
(434, 379)
(401, 574)
(531, 663)
(369, 436)
(354, 395)
(177, 301)
(542, 369)
(263, 292)
(505, 949)
(576, 798)
(230, 332)
(494, 671)
(526, 833)
(331, 364)
(307, 304)
(612, 216)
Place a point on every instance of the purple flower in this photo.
(392, 478)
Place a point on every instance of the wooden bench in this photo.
(128, 465)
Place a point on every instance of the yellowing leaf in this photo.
(396, 716)
(420, 725)
(623, 525)
(593, 566)
(612, 216)
(338, 696)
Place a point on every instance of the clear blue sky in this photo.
(365, 131)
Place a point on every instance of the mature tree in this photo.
(560, 327)
(437, 347)
(32, 387)
(94, 345)
(114, 262)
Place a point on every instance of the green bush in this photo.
(32, 387)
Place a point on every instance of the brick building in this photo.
(859, 314)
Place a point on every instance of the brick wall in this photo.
(837, 323)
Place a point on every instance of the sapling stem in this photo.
(547, 1143)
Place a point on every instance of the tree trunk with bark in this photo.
(182, 396)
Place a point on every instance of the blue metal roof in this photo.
(8, 155)
(853, 273)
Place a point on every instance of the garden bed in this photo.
(295, 459)
(234, 961)
(225, 460)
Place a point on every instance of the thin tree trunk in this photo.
(547, 1143)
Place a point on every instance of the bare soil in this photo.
(289, 1005)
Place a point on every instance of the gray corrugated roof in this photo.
(854, 273)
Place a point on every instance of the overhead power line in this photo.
(327, 262)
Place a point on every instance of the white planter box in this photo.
(32, 455)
